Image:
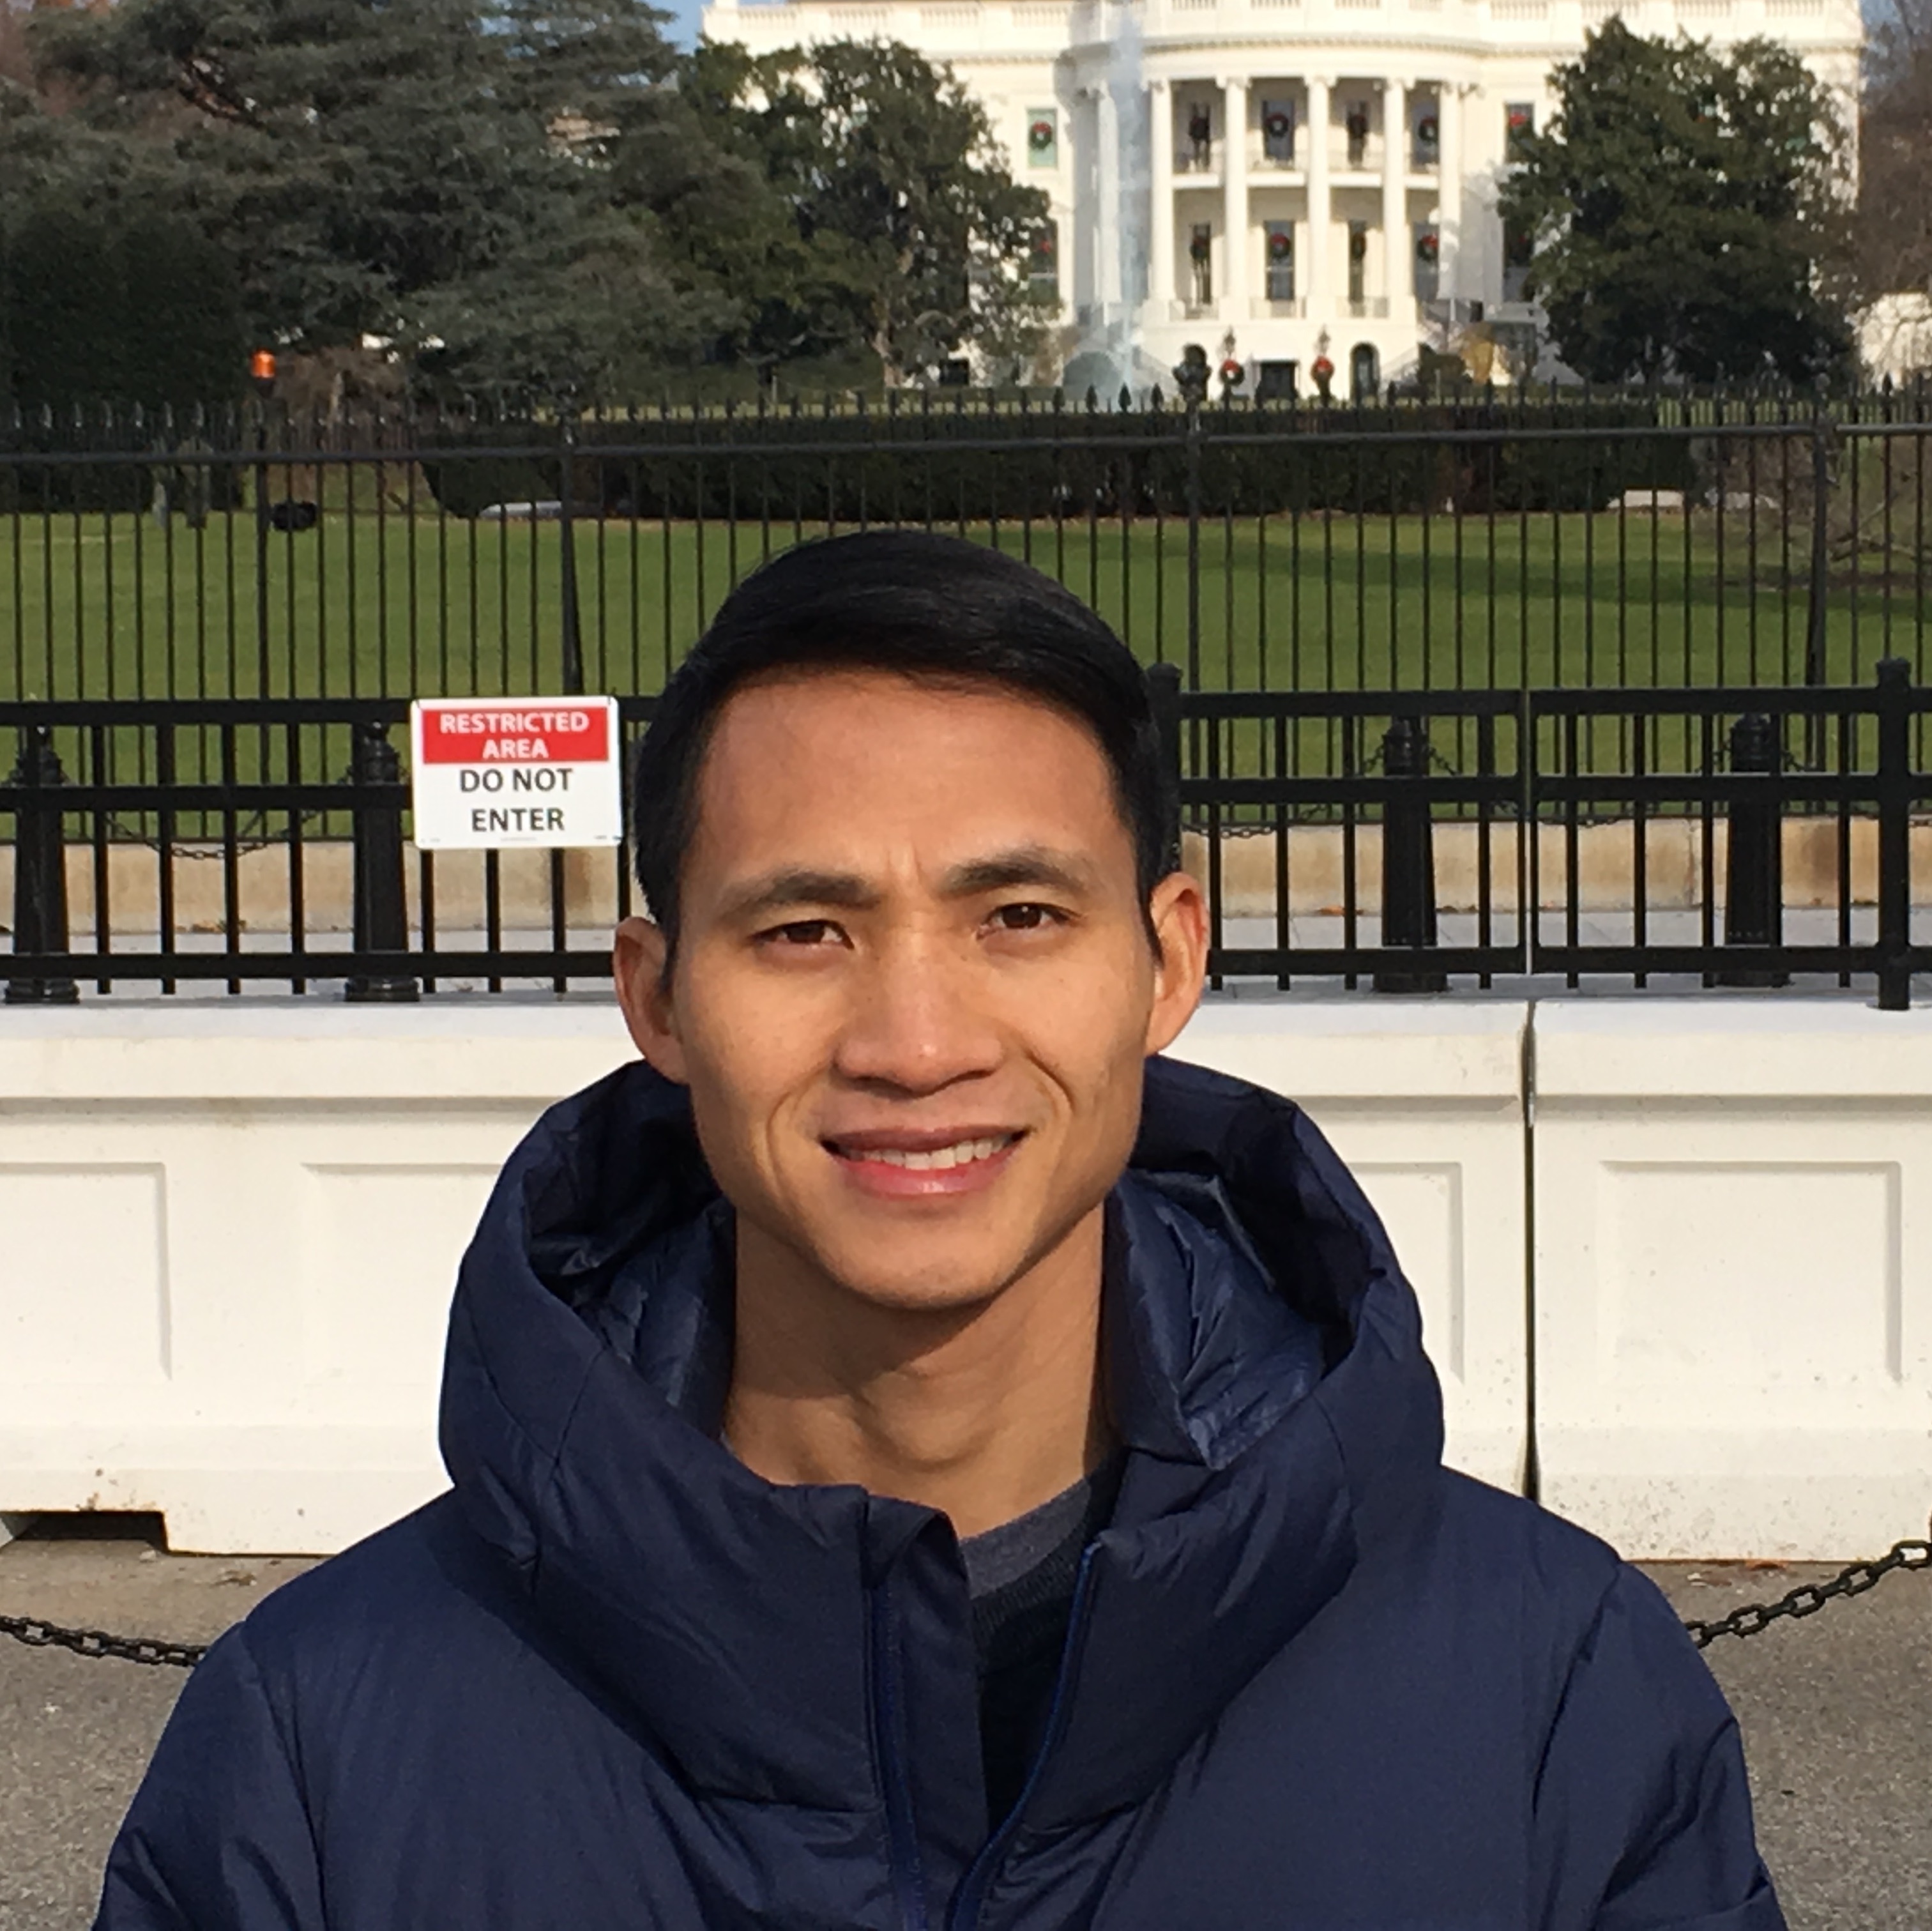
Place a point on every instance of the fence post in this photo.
(381, 921)
(1754, 871)
(1818, 593)
(1408, 856)
(1895, 835)
(568, 618)
(40, 868)
(1164, 701)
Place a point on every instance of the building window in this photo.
(1519, 123)
(1280, 245)
(1365, 372)
(1200, 261)
(1043, 262)
(1274, 382)
(1042, 137)
(1355, 125)
(1200, 135)
(1518, 249)
(1278, 132)
(1358, 262)
(1427, 147)
(1428, 262)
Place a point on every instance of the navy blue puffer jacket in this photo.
(615, 1681)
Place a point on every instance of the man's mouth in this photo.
(925, 1160)
(946, 1161)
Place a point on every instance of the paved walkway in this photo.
(1837, 1713)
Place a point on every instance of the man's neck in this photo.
(981, 1413)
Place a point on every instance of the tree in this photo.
(402, 169)
(1686, 208)
(1894, 220)
(878, 208)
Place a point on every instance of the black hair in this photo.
(926, 606)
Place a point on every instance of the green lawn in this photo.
(405, 605)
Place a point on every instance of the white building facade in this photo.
(1309, 177)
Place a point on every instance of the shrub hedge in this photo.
(971, 465)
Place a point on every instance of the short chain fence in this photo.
(1807, 1599)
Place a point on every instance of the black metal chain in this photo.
(1807, 1599)
(40, 1636)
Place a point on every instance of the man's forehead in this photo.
(826, 770)
(847, 724)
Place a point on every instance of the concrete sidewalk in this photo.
(1837, 1713)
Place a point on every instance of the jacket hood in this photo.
(1265, 1373)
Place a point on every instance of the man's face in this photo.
(914, 988)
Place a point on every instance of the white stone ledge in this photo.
(1830, 1051)
(503, 1052)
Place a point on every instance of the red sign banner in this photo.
(514, 732)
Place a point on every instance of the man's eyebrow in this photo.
(794, 886)
(1062, 871)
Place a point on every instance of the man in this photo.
(919, 1461)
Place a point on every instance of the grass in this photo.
(401, 605)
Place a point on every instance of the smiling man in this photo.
(920, 1459)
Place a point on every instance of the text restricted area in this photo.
(503, 771)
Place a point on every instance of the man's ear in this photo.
(639, 956)
(1178, 912)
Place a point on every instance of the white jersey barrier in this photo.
(228, 1235)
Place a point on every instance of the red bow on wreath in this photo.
(1232, 372)
(1427, 247)
(1280, 247)
(1277, 126)
(1426, 131)
(1040, 135)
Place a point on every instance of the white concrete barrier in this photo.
(228, 1233)
(227, 1238)
(1424, 1101)
(1733, 1266)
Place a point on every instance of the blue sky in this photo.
(683, 28)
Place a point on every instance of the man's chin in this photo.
(926, 1283)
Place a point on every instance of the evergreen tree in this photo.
(878, 211)
(396, 168)
(1686, 207)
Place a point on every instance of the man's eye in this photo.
(1025, 918)
(803, 932)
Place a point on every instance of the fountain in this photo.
(1108, 357)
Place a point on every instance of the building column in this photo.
(1234, 196)
(1398, 279)
(1107, 202)
(1449, 186)
(1314, 281)
(1160, 220)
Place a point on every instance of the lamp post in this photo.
(261, 373)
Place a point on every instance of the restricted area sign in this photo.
(501, 771)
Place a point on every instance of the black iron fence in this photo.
(1519, 541)
(1745, 836)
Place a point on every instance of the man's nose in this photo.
(918, 1021)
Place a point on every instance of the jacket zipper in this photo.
(901, 1830)
(965, 1915)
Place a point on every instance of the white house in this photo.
(1302, 175)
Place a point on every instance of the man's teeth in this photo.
(959, 1154)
